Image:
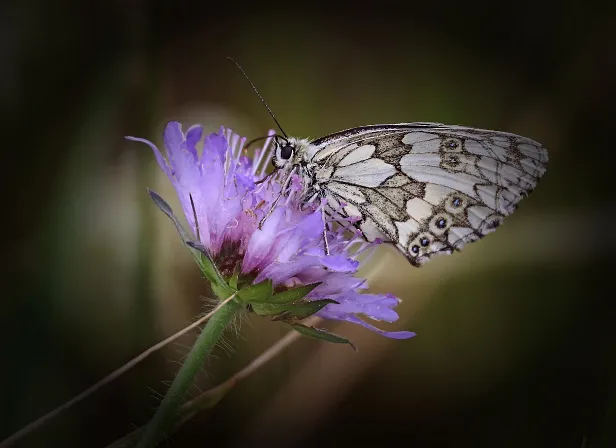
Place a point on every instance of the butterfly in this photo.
(428, 188)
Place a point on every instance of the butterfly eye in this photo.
(286, 152)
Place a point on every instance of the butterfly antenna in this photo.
(258, 94)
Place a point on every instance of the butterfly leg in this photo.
(307, 203)
(282, 190)
(264, 179)
(325, 233)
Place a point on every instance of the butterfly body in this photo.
(428, 188)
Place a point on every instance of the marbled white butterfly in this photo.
(429, 188)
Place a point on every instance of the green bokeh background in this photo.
(515, 345)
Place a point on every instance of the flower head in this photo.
(230, 196)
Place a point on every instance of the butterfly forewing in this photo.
(428, 188)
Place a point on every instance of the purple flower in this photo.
(230, 202)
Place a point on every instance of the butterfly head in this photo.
(284, 152)
(289, 152)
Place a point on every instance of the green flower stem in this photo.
(211, 397)
(167, 413)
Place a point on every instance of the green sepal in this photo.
(258, 293)
(290, 312)
(293, 295)
(209, 269)
(267, 309)
(318, 333)
(167, 210)
(199, 252)
(281, 302)
(301, 311)
(234, 278)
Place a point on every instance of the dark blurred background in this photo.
(515, 342)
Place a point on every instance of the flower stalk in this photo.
(166, 415)
(213, 396)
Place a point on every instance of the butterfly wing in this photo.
(427, 187)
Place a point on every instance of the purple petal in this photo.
(291, 241)
(312, 225)
(279, 272)
(334, 283)
(173, 138)
(375, 306)
(215, 148)
(355, 320)
(261, 242)
(245, 182)
(159, 157)
(245, 164)
(339, 263)
(173, 135)
(193, 135)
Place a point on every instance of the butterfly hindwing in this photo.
(428, 188)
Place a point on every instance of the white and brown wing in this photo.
(429, 188)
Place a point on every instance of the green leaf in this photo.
(318, 333)
(260, 292)
(301, 311)
(293, 295)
